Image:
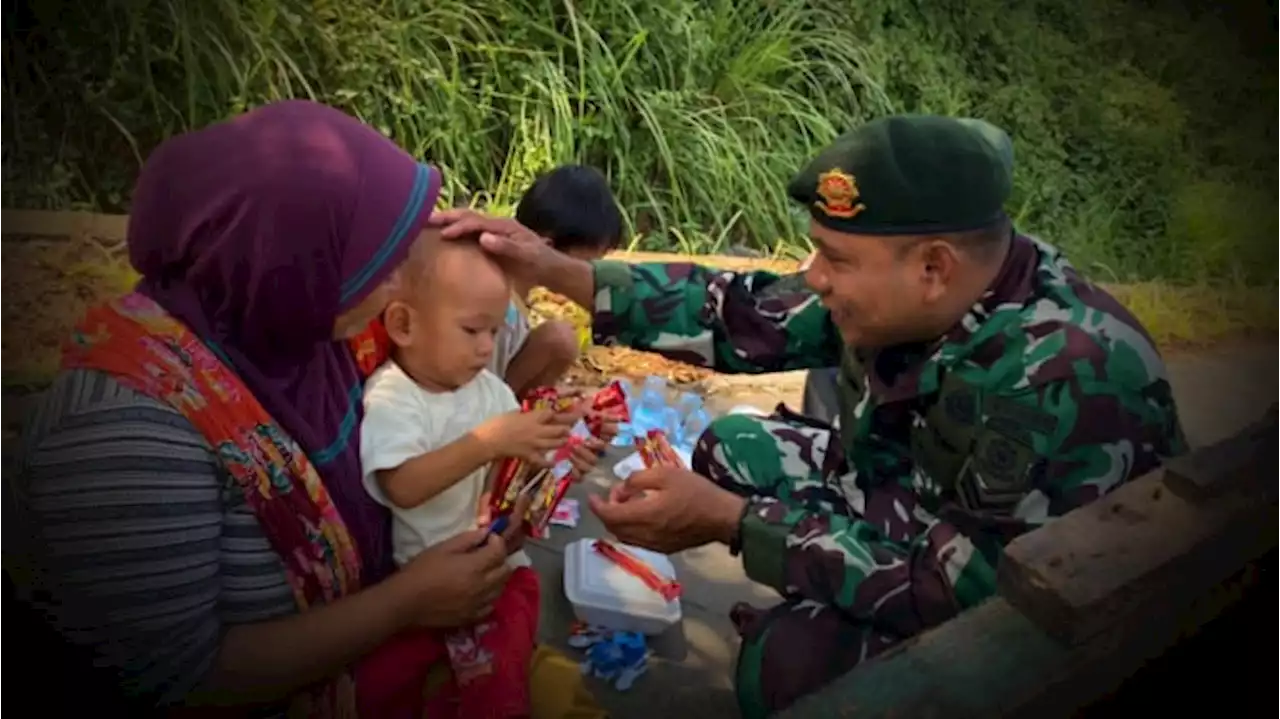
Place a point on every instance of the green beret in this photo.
(909, 175)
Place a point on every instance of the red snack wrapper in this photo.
(608, 403)
(669, 589)
(611, 401)
(556, 486)
(514, 476)
(656, 451)
(539, 397)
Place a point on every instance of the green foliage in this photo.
(1144, 139)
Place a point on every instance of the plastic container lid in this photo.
(604, 594)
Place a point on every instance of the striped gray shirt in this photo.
(147, 548)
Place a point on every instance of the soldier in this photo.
(985, 388)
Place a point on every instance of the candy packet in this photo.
(655, 450)
(549, 485)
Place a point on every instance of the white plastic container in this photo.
(603, 593)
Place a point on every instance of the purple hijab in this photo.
(257, 233)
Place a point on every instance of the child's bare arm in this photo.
(430, 474)
(527, 435)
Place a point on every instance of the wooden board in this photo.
(1145, 545)
(1224, 466)
(43, 223)
(1085, 601)
(720, 262)
(994, 662)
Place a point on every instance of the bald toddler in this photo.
(435, 421)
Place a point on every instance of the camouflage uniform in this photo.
(1047, 395)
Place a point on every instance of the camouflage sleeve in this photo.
(1038, 453)
(901, 584)
(734, 322)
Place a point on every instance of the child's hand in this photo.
(524, 435)
(585, 457)
(607, 424)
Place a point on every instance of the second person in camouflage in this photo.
(985, 388)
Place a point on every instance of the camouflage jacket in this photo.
(1047, 395)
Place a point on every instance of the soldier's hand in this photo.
(524, 254)
(520, 251)
(668, 509)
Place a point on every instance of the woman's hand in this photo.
(484, 515)
(458, 580)
(449, 585)
(513, 536)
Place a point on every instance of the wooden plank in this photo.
(1086, 602)
(1223, 466)
(994, 662)
(1143, 546)
(42, 223)
(720, 262)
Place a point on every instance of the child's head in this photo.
(573, 207)
(443, 322)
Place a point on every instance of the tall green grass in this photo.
(1144, 137)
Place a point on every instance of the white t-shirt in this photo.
(403, 421)
(511, 337)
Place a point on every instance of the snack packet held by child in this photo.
(548, 486)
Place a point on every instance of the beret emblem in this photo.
(839, 193)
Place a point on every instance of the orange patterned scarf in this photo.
(145, 349)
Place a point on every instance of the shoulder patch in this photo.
(1000, 471)
(1003, 463)
(1015, 419)
(960, 406)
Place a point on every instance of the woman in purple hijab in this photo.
(191, 482)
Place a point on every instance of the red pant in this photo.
(490, 662)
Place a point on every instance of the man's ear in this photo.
(939, 262)
(398, 321)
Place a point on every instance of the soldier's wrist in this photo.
(731, 528)
(567, 276)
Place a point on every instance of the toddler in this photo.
(573, 207)
(436, 419)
